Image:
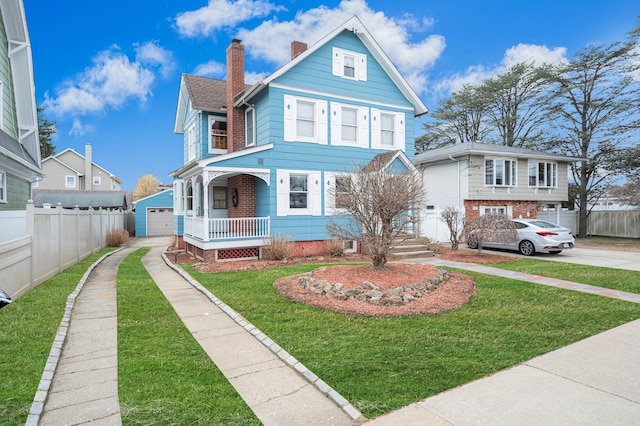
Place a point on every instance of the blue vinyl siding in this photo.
(161, 200)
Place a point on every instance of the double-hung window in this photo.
(191, 143)
(250, 126)
(217, 134)
(3, 187)
(500, 172)
(305, 120)
(387, 130)
(349, 125)
(543, 174)
(219, 197)
(97, 181)
(349, 65)
(337, 189)
(298, 192)
(70, 181)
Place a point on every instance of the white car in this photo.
(535, 236)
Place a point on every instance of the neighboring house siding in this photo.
(437, 193)
(56, 176)
(7, 101)
(18, 191)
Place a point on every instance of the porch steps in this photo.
(408, 249)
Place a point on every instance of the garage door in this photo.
(159, 222)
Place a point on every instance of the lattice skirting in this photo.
(239, 253)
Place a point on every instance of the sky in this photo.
(108, 73)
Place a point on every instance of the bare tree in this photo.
(376, 206)
(455, 220)
(493, 227)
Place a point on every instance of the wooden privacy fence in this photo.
(56, 239)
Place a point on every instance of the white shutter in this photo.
(400, 124)
(363, 127)
(314, 186)
(329, 194)
(336, 61)
(362, 67)
(282, 192)
(375, 128)
(323, 122)
(336, 121)
(289, 118)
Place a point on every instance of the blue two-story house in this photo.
(262, 160)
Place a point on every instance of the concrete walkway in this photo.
(594, 381)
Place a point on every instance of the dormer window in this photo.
(350, 65)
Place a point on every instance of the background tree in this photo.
(146, 185)
(516, 103)
(594, 114)
(629, 193)
(493, 227)
(459, 119)
(455, 220)
(376, 206)
(46, 130)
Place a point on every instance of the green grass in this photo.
(616, 279)
(27, 329)
(381, 364)
(164, 376)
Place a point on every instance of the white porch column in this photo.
(205, 205)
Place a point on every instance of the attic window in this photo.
(217, 134)
(349, 65)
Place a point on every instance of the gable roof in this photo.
(206, 94)
(153, 195)
(355, 25)
(386, 159)
(9, 147)
(81, 199)
(477, 148)
(82, 157)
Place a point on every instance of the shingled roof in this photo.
(207, 94)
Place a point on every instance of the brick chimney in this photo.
(235, 87)
(297, 47)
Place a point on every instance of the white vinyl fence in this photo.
(56, 238)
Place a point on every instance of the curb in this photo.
(35, 412)
(288, 359)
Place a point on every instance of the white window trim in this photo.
(514, 176)
(314, 193)
(320, 120)
(210, 143)
(337, 67)
(97, 180)
(399, 130)
(66, 181)
(508, 209)
(330, 208)
(362, 131)
(554, 177)
(191, 142)
(246, 128)
(3, 187)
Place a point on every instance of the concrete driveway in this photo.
(594, 257)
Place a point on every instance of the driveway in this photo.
(593, 257)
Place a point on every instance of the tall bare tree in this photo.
(376, 206)
(595, 114)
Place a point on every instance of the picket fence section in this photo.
(56, 238)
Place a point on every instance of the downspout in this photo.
(458, 163)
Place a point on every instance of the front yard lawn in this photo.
(384, 363)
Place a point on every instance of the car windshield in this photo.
(543, 224)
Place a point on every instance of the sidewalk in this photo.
(594, 381)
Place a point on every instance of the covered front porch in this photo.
(219, 212)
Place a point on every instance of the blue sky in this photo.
(109, 73)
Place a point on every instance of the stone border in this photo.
(42, 393)
(292, 362)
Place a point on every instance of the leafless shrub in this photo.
(489, 227)
(455, 220)
(278, 247)
(430, 243)
(117, 237)
(335, 248)
(377, 207)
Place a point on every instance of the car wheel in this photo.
(555, 252)
(472, 244)
(526, 248)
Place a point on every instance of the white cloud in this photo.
(254, 77)
(213, 69)
(110, 82)
(152, 55)
(219, 14)
(413, 58)
(476, 74)
(79, 129)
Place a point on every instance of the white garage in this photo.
(159, 221)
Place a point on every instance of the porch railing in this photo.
(228, 228)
